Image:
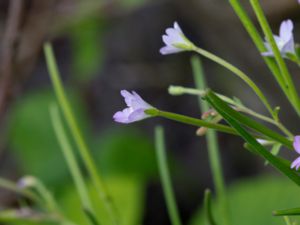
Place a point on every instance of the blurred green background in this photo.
(105, 46)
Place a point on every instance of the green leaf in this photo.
(123, 152)
(287, 212)
(275, 150)
(87, 47)
(232, 119)
(242, 119)
(32, 138)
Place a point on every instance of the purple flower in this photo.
(175, 41)
(296, 144)
(136, 108)
(285, 40)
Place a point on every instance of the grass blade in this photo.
(165, 176)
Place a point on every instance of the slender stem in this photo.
(165, 176)
(208, 208)
(237, 72)
(287, 220)
(178, 90)
(70, 158)
(282, 66)
(249, 122)
(212, 143)
(78, 137)
(45, 194)
(9, 185)
(190, 120)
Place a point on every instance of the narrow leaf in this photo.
(215, 100)
(279, 164)
(287, 212)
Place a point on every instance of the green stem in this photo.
(70, 158)
(179, 90)
(237, 72)
(165, 176)
(78, 137)
(50, 202)
(208, 208)
(11, 186)
(190, 120)
(248, 122)
(287, 220)
(212, 143)
(294, 98)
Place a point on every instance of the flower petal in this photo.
(177, 27)
(122, 116)
(136, 108)
(289, 46)
(296, 163)
(169, 50)
(286, 30)
(296, 143)
(137, 115)
(128, 97)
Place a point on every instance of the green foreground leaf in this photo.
(235, 120)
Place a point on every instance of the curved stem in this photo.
(237, 72)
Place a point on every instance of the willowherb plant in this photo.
(242, 120)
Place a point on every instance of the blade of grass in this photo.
(255, 146)
(77, 135)
(165, 176)
(212, 142)
(70, 158)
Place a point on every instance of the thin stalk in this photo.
(287, 220)
(212, 143)
(281, 64)
(179, 90)
(250, 123)
(190, 120)
(11, 186)
(208, 209)
(48, 200)
(165, 176)
(77, 135)
(237, 72)
(70, 158)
